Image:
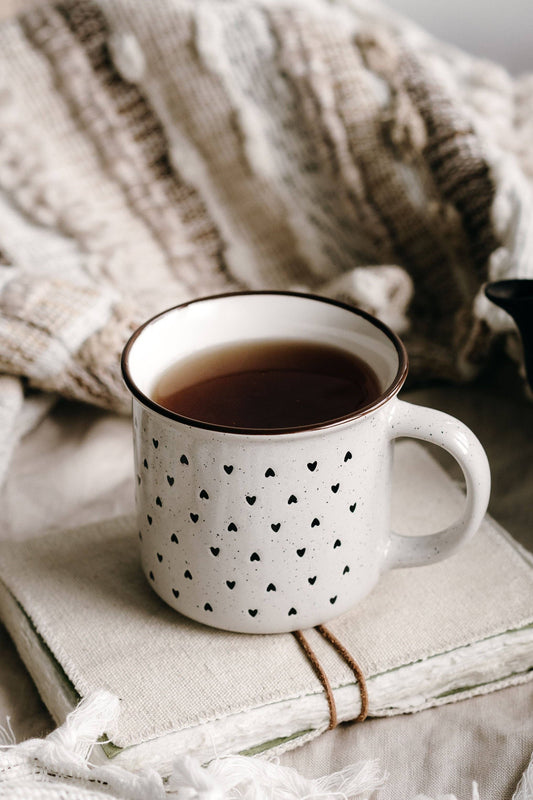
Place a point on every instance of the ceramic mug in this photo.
(267, 532)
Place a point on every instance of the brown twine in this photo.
(323, 678)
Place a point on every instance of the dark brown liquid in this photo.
(268, 385)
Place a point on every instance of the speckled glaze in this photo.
(273, 532)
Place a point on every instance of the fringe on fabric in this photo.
(43, 768)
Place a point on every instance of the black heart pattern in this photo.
(207, 607)
(187, 575)
(337, 543)
(292, 611)
(230, 584)
(315, 522)
(184, 459)
(204, 495)
(149, 518)
(255, 557)
(175, 592)
(301, 552)
(228, 468)
(215, 550)
(333, 599)
(270, 473)
(312, 580)
(347, 457)
(252, 612)
(335, 488)
(293, 499)
(155, 443)
(194, 517)
(174, 539)
(250, 499)
(232, 527)
(312, 466)
(158, 501)
(353, 507)
(159, 557)
(145, 462)
(346, 569)
(271, 587)
(276, 526)
(170, 480)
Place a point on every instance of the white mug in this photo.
(268, 532)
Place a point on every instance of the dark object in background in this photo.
(515, 296)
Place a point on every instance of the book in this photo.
(83, 617)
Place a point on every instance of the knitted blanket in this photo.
(152, 152)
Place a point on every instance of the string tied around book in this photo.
(323, 678)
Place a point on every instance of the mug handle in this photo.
(444, 430)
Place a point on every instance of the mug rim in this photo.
(384, 397)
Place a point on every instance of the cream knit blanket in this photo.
(155, 151)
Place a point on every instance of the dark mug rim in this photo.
(384, 397)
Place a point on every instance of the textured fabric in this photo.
(150, 153)
(86, 586)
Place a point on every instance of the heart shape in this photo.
(335, 488)
(194, 517)
(255, 557)
(230, 584)
(174, 539)
(337, 543)
(158, 501)
(312, 580)
(215, 550)
(250, 499)
(207, 607)
(293, 499)
(333, 599)
(271, 587)
(252, 612)
(175, 592)
(187, 575)
(352, 507)
(232, 527)
(170, 480)
(149, 518)
(346, 569)
(159, 557)
(155, 443)
(276, 526)
(347, 457)
(301, 552)
(184, 459)
(315, 522)
(228, 468)
(292, 611)
(269, 473)
(204, 495)
(312, 466)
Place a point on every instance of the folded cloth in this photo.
(84, 618)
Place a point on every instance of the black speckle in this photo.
(155, 443)
(232, 527)
(337, 543)
(151, 575)
(158, 501)
(276, 526)
(145, 462)
(270, 473)
(293, 499)
(255, 557)
(207, 607)
(292, 611)
(346, 569)
(347, 457)
(187, 575)
(139, 480)
(333, 599)
(228, 469)
(271, 587)
(174, 539)
(175, 592)
(335, 488)
(312, 580)
(204, 495)
(215, 550)
(170, 480)
(250, 499)
(301, 552)
(315, 522)
(230, 584)
(353, 507)
(140, 536)
(252, 612)
(159, 557)
(312, 466)
(184, 459)
(194, 517)
(149, 518)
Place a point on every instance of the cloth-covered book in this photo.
(83, 617)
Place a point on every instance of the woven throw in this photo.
(154, 152)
